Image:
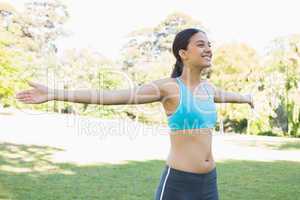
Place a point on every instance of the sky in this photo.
(104, 24)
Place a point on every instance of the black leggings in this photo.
(182, 185)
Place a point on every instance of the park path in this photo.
(85, 140)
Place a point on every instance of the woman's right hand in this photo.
(39, 94)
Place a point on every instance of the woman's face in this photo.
(199, 52)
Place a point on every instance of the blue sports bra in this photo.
(191, 112)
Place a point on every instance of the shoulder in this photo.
(166, 85)
(165, 82)
(210, 86)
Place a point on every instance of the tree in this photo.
(237, 67)
(28, 39)
(284, 59)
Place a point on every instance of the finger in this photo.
(25, 92)
(27, 100)
(22, 99)
(23, 95)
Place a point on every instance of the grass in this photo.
(27, 173)
(289, 145)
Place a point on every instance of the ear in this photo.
(182, 54)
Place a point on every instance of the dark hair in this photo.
(181, 41)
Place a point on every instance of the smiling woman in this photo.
(189, 102)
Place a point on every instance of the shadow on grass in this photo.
(27, 172)
(289, 145)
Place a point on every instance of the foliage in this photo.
(28, 51)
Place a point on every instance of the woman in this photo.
(189, 103)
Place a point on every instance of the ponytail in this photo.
(177, 70)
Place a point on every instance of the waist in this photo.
(199, 167)
(191, 140)
(189, 173)
(191, 150)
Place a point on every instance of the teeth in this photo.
(207, 58)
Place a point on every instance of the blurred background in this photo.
(60, 150)
(71, 44)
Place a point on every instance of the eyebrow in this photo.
(203, 41)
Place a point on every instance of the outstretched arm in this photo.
(221, 96)
(146, 93)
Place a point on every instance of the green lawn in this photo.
(27, 173)
(290, 145)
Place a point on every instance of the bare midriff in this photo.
(191, 150)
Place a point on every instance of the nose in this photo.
(207, 49)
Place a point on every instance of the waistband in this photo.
(191, 174)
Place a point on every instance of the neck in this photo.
(191, 75)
